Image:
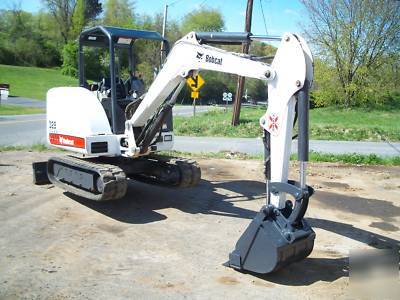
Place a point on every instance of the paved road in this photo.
(30, 129)
(23, 129)
(25, 102)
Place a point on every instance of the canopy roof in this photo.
(100, 36)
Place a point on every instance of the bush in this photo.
(70, 59)
(95, 61)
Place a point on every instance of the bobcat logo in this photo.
(273, 123)
(199, 55)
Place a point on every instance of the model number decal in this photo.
(52, 125)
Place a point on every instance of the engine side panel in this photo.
(76, 120)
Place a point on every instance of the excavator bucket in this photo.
(274, 239)
(279, 236)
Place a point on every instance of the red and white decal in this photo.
(273, 124)
(66, 140)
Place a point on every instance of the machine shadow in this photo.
(383, 209)
(142, 201)
(364, 236)
(314, 269)
(309, 271)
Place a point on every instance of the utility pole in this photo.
(164, 29)
(162, 56)
(240, 82)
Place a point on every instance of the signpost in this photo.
(195, 83)
(227, 97)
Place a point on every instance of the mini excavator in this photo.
(115, 131)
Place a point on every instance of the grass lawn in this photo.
(325, 124)
(355, 159)
(33, 82)
(6, 109)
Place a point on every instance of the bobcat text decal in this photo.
(66, 140)
(209, 58)
(214, 60)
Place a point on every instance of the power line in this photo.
(265, 23)
(172, 3)
(201, 4)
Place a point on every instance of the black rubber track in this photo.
(112, 178)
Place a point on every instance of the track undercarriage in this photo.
(106, 178)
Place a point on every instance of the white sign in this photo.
(227, 97)
(124, 41)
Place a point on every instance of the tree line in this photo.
(355, 42)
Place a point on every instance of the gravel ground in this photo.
(163, 243)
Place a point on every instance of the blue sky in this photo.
(280, 15)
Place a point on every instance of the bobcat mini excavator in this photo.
(116, 133)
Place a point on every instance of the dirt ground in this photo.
(168, 243)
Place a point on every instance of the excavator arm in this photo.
(278, 235)
(290, 70)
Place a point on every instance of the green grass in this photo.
(6, 109)
(325, 124)
(354, 159)
(33, 82)
(34, 147)
(357, 159)
(355, 124)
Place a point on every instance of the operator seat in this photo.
(135, 85)
(105, 85)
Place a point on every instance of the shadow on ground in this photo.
(309, 271)
(358, 205)
(142, 202)
(314, 269)
(364, 236)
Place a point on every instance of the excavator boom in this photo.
(290, 71)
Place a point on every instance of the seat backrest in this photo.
(120, 87)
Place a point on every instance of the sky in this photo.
(280, 15)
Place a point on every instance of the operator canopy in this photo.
(100, 36)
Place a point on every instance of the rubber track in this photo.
(114, 179)
(190, 172)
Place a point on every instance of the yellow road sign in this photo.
(195, 82)
(195, 95)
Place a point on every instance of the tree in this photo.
(62, 11)
(119, 13)
(203, 19)
(78, 18)
(70, 59)
(355, 35)
(23, 40)
(93, 8)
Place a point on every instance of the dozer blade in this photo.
(275, 238)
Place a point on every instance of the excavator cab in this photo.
(119, 96)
